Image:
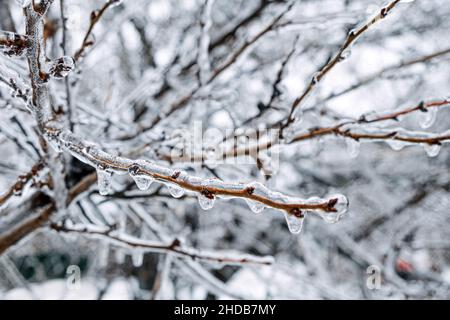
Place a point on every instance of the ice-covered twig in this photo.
(352, 36)
(377, 75)
(350, 129)
(225, 65)
(94, 19)
(36, 61)
(22, 180)
(144, 172)
(38, 212)
(175, 247)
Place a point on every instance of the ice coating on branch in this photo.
(294, 222)
(428, 117)
(60, 68)
(255, 206)
(103, 181)
(338, 202)
(143, 171)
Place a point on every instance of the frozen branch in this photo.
(175, 247)
(144, 172)
(22, 180)
(352, 36)
(94, 19)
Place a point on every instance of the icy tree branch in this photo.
(175, 247)
(352, 36)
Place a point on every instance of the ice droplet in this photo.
(396, 145)
(428, 118)
(143, 182)
(432, 150)
(340, 204)
(61, 67)
(294, 223)
(206, 201)
(255, 206)
(137, 258)
(345, 54)
(175, 191)
(103, 181)
(353, 147)
(23, 3)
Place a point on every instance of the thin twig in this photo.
(175, 247)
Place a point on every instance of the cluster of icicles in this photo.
(206, 201)
(143, 172)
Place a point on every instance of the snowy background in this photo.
(137, 79)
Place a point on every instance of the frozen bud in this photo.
(61, 67)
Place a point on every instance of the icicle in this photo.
(206, 200)
(353, 147)
(143, 182)
(345, 54)
(175, 190)
(428, 117)
(432, 150)
(294, 223)
(255, 206)
(137, 258)
(103, 181)
(61, 67)
(396, 145)
(103, 255)
(120, 256)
